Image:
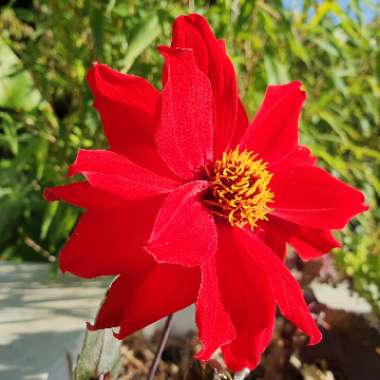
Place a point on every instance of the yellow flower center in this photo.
(240, 188)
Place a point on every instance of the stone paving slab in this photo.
(41, 318)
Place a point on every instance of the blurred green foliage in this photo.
(46, 109)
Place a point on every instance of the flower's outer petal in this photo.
(274, 130)
(246, 350)
(312, 197)
(223, 44)
(241, 124)
(127, 105)
(194, 32)
(286, 290)
(148, 297)
(301, 156)
(148, 157)
(184, 136)
(111, 311)
(185, 34)
(101, 243)
(275, 241)
(248, 298)
(82, 194)
(184, 232)
(310, 243)
(115, 174)
(214, 323)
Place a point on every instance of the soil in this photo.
(350, 350)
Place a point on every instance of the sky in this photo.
(369, 13)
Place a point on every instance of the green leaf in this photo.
(144, 34)
(48, 217)
(17, 90)
(277, 72)
(97, 27)
(100, 354)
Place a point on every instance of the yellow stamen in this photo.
(240, 188)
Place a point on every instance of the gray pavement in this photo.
(41, 318)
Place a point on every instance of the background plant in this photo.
(46, 109)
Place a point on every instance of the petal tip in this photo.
(90, 326)
(118, 335)
(148, 248)
(364, 207)
(49, 194)
(203, 355)
(70, 170)
(315, 339)
(168, 51)
(301, 88)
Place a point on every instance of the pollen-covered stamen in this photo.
(240, 188)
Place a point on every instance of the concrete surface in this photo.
(41, 318)
(340, 297)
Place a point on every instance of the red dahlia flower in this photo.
(192, 204)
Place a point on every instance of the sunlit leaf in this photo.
(17, 90)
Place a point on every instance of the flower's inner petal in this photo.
(286, 290)
(214, 323)
(276, 242)
(312, 197)
(310, 243)
(115, 174)
(248, 298)
(194, 32)
(184, 136)
(273, 133)
(184, 231)
(301, 156)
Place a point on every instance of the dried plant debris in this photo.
(350, 350)
(177, 359)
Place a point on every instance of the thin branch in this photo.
(161, 346)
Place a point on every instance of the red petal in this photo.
(148, 157)
(241, 124)
(312, 197)
(276, 242)
(184, 231)
(109, 241)
(115, 174)
(286, 291)
(111, 312)
(194, 32)
(164, 290)
(184, 137)
(127, 105)
(248, 299)
(309, 242)
(82, 194)
(214, 323)
(301, 156)
(185, 34)
(274, 130)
